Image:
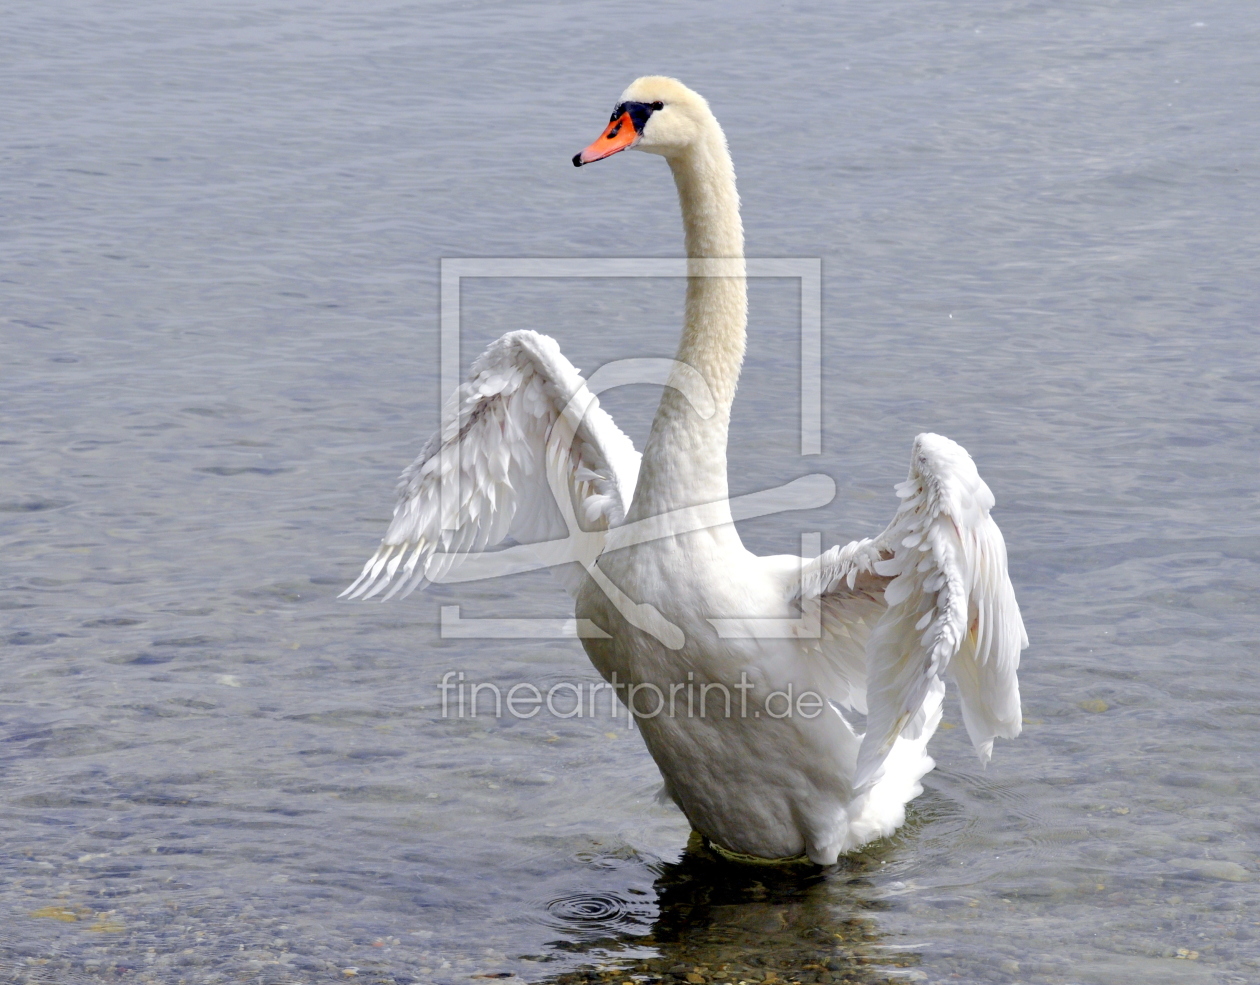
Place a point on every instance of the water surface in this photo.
(1038, 229)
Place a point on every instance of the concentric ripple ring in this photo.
(601, 912)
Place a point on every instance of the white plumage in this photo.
(648, 548)
(524, 418)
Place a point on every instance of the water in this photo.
(1038, 227)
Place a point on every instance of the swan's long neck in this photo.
(684, 461)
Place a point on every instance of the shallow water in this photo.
(1039, 231)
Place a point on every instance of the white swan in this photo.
(682, 604)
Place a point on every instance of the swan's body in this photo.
(661, 570)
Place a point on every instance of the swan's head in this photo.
(656, 114)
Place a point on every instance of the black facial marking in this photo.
(639, 113)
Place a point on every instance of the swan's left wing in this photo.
(950, 608)
(525, 452)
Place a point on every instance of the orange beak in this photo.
(619, 135)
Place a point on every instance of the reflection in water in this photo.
(722, 921)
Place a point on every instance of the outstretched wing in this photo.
(949, 609)
(521, 432)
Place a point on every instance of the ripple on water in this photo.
(591, 915)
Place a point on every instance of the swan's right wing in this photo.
(928, 597)
(524, 450)
(951, 609)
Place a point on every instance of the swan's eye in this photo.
(658, 105)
